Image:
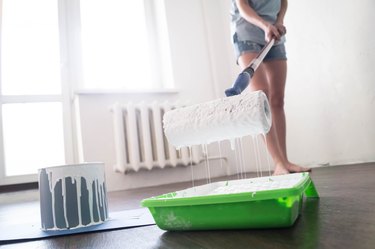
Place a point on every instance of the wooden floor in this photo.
(344, 217)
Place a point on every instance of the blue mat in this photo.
(13, 231)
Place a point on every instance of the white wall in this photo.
(330, 94)
(330, 97)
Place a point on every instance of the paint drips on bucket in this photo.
(73, 196)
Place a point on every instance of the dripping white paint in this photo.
(72, 196)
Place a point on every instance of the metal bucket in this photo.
(72, 196)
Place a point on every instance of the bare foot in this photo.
(293, 168)
(281, 169)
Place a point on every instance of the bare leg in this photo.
(270, 78)
(276, 74)
(260, 82)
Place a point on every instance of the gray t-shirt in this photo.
(245, 31)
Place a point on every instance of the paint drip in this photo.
(73, 196)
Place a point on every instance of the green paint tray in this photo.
(264, 202)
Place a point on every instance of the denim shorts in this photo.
(277, 52)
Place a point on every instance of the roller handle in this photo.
(245, 76)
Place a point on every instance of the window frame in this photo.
(160, 59)
(71, 76)
(69, 61)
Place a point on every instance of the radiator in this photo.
(140, 142)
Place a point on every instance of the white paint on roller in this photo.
(217, 120)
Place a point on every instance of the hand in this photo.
(271, 31)
(281, 28)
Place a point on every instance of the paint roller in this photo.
(245, 76)
(222, 119)
(218, 120)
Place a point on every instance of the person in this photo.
(254, 23)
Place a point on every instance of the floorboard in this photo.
(343, 217)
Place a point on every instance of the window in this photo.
(30, 48)
(31, 98)
(120, 46)
(33, 136)
(48, 49)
